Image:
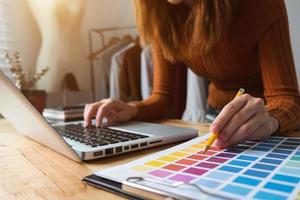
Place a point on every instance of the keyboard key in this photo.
(94, 136)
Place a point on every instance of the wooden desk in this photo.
(29, 170)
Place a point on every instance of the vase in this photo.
(38, 98)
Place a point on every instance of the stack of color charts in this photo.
(252, 170)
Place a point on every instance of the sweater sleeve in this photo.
(159, 104)
(278, 74)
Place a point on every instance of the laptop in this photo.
(75, 141)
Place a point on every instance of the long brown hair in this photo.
(181, 31)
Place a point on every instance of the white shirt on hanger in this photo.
(196, 100)
(102, 70)
(116, 63)
(146, 72)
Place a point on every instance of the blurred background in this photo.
(70, 37)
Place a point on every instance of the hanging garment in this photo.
(180, 90)
(196, 101)
(146, 72)
(102, 70)
(130, 75)
(116, 63)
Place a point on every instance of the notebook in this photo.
(268, 169)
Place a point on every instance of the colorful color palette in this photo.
(252, 170)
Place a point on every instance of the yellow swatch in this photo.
(167, 158)
(179, 154)
(198, 146)
(189, 150)
(155, 163)
(142, 168)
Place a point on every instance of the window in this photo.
(5, 32)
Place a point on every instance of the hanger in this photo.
(111, 42)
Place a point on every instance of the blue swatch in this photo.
(286, 178)
(270, 161)
(234, 150)
(292, 171)
(282, 151)
(230, 169)
(293, 140)
(219, 175)
(279, 187)
(290, 143)
(286, 147)
(239, 163)
(236, 190)
(278, 156)
(266, 145)
(297, 153)
(248, 158)
(268, 195)
(256, 173)
(264, 167)
(208, 183)
(261, 149)
(255, 153)
(271, 141)
(247, 181)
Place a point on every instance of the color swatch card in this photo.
(252, 170)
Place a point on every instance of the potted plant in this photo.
(26, 82)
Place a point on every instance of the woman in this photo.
(233, 44)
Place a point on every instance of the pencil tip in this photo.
(205, 149)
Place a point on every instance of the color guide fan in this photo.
(252, 170)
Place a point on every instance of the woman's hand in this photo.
(244, 118)
(109, 111)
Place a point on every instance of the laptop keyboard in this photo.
(93, 136)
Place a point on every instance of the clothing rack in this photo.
(100, 33)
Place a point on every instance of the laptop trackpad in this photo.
(150, 128)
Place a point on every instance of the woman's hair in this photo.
(181, 31)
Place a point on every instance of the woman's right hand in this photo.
(111, 110)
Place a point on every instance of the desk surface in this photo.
(29, 170)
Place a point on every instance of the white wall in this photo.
(26, 37)
(293, 8)
(98, 14)
(107, 13)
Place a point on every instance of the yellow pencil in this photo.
(213, 136)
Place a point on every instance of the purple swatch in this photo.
(195, 171)
(218, 160)
(183, 178)
(207, 165)
(226, 155)
(160, 173)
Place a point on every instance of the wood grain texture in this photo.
(29, 170)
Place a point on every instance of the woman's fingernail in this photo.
(104, 121)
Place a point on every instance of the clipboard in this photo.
(132, 188)
(110, 186)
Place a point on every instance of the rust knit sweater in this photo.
(254, 54)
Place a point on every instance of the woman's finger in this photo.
(90, 111)
(245, 131)
(261, 133)
(237, 120)
(104, 110)
(228, 111)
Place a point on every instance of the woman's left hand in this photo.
(244, 118)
